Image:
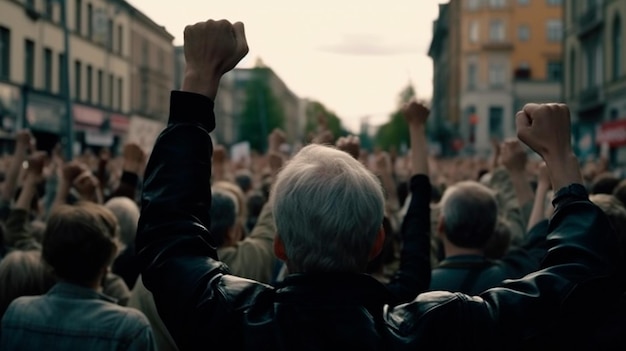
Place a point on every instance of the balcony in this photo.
(590, 21)
(497, 45)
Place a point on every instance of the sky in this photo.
(354, 56)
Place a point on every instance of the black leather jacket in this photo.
(206, 308)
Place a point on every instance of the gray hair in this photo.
(470, 213)
(328, 210)
(127, 213)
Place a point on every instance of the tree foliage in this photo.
(394, 134)
(262, 111)
(318, 117)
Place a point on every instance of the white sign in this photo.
(240, 152)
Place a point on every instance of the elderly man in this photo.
(328, 210)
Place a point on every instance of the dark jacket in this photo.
(473, 274)
(204, 307)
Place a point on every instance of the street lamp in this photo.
(68, 138)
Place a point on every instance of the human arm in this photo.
(133, 165)
(175, 248)
(539, 203)
(413, 275)
(23, 144)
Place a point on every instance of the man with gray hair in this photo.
(127, 213)
(328, 213)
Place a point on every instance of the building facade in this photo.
(33, 67)
(505, 53)
(595, 77)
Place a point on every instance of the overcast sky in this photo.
(354, 56)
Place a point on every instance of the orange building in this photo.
(508, 53)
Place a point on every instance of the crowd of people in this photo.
(318, 248)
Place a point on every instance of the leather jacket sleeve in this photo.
(579, 274)
(175, 248)
(413, 276)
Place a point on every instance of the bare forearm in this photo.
(563, 171)
(29, 189)
(419, 150)
(63, 190)
(539, 205)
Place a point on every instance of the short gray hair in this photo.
(470, 213)
(328, 210)
(127, 213)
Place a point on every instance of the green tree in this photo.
(262, 111)
(394, 134)
(318, 116)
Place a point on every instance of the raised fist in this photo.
(212, 48)
(350, 144)
(326, 137)
(415, 113)
(276, 139)
(133, 153)
(383, 163)
(546, 129)
(219, 155)
(275, 161)
(72, 170)
(25, 140)
(513, 155)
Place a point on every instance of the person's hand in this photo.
(546, 129)
(275, 161)
(72, 170)
(350, 144)
(276, 138)
(134, 158)
(36, 164)
(87, 185)
(211, 48)
(415, 114)
(326, 137)
(513, 156)
(24, 140)
(104, 154)
(219, 155)
(383, 163)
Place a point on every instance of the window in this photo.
(523, 2)
(110, 35)
(78, 19)
(47, 66)
(474, 32)
(49, 9)
(89, 83)
(62, 68)
(523, 72)
(120, 39)
(523, 32)
(592, 63)
(111, 90)
(555, 2)
(497, 3)
(473, 4)
(472, 76)
(77, 80)
(496, 117)
(120, 95)
(555, 30)
(144, 52)
(29, 62)
(496, 75)
(617, 48)
(5, 52)
(555, 71)
(90, 21)
(100, 86)
(496, 30)
(572, 73)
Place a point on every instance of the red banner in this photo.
(612, 133)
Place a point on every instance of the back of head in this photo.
(328, 209)
(620, 192)
(604, 183)
(223, 214)
(243, 178)
(126, 212)
(22, 273)
(469, 212)
(80, 241)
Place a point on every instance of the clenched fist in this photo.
(416, 113)
(350, 144)
(212, 48)
(513, 156)
(546, 129)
